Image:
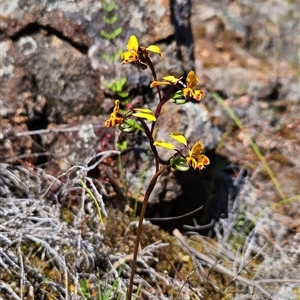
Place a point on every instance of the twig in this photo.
(277, 281)
(30, 293)
(66, 279)
(200, 227)
(186, 280)
(7, 287)
(86, 168)
(102, 155)
(176, 217)
(98, 196)
(46, 131)
(27, 155)
(118, 263)
(21, 270)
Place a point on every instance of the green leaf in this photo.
(109, 6)
(117, 85)
(112, 58)
(110, 20)
(122, 146)
(122, 95)
(111, 35)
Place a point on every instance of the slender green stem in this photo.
(82, 183)
(273, 207)
(139, 230)
(122, 177)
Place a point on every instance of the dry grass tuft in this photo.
(55, 245)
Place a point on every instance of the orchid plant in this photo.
(134, 120)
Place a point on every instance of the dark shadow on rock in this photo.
(211, 188)
(180, 19)
(38, 120)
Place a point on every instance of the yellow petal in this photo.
(115, 117)
(192, 79)
(145, 110)
(198, 95)
(129, 56)
(164, 145)
(117, 106)
(196, 149)
(156, 83)
(178, 137)
(133, 43)
(188, 92)
(154, 49)
(171, 79)
(144, 115)
(205, 160)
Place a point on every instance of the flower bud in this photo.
(129, 126)
(179, 164)
(178, 98)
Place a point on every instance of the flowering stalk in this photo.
(139, 231)
(179, 93)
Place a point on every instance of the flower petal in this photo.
(164, 145)
(156, 83)
(115, 117)
(132, 43)
(198, 95)
(192, 79)
(129, 56)
(145, 110)
(191, 161)
(196, 159)
(188, 92)
(196, 149)
(205, 160)
(178, 137)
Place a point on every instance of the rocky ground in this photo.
(54, 243)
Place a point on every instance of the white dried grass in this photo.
(264, 240)
(31, 206)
